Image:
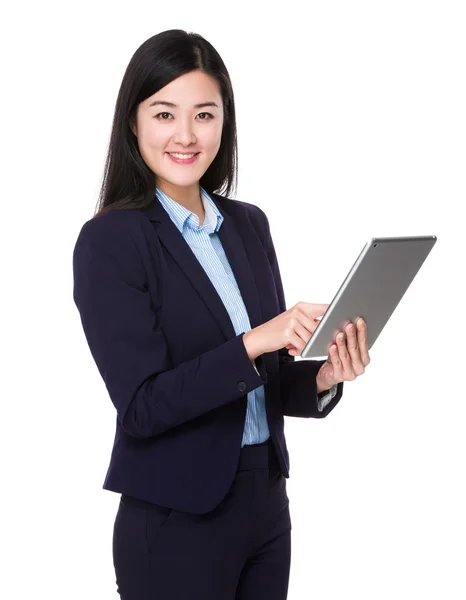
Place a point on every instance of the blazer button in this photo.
(242, 387)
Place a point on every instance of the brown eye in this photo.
(208, 114)
(164, 113)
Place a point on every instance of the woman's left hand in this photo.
(347, 359)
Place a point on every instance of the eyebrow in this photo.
(171, 105)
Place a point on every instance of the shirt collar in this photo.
(181, 216)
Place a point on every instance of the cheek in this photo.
(152, 139)
(212, 138)
(151, 146)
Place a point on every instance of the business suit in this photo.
(179, 385)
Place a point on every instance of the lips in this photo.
(183, 161)
(190, 154)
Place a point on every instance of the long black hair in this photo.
(127, 181)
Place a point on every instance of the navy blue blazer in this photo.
(179, 385)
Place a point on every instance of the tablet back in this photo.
(372, 289)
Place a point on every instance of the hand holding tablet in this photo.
(372, 289)
(368, 296)
(348, 356)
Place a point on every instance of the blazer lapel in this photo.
(236, 246)
(236, 240)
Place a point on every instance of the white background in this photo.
(351, 124)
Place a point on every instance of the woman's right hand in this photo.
(290, 329)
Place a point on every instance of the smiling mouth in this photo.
(183, 155)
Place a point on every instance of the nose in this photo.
(184, 133)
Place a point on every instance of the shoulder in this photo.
(120, 227)
(113, 240)
(110, 248)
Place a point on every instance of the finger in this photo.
(297, 336)
(291, 350)
(334, 359)
(302, 333)
(353, 349)
(362, 341)
(297, 341)
(348, 371)
(294, 352)
(309, 323)
(312, 310)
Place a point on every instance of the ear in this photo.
(133, 127)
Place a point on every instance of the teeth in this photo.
(176, 155)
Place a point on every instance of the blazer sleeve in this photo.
(298, 386)
(129, 348)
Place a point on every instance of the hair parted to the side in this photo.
(127, 181)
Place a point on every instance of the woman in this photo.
(182, 305)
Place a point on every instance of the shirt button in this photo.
(242, 387)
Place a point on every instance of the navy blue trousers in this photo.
(241, 550)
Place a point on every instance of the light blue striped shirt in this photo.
(206, 245)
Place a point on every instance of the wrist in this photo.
(251, 343)
(322, 386)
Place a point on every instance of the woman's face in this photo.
(186, 117)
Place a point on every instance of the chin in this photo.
(183, 181)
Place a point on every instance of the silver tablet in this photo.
(372, 289)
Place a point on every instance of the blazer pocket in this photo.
(157, 518)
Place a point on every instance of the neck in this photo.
(189, 197)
